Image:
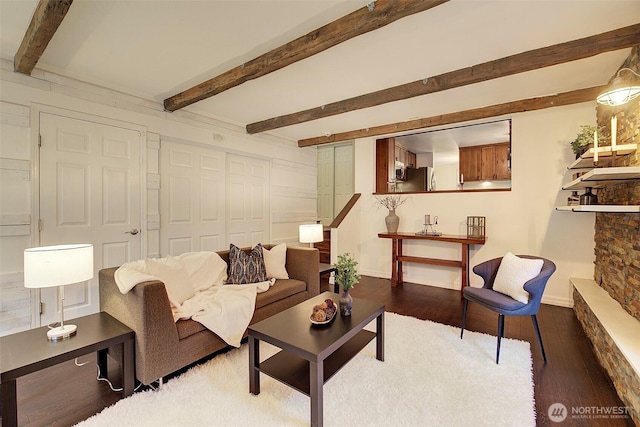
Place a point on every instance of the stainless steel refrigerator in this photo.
(420, 179)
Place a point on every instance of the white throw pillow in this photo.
(513, 273)
(175, 279)
(275, 260)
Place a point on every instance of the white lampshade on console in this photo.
(311, 233)
(59, 265)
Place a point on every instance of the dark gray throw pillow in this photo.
(246, 267)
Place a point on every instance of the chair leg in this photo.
(464, 317)
(500, 334)
(535, 326)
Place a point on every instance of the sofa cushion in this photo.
(275, 260)
(188, 327)
(246, 267)
(282, 289)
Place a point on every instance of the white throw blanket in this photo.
(226, 310)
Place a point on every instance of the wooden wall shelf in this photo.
(600, 177)
(600, 208)
(605, 154)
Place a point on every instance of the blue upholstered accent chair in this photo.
(504, 304)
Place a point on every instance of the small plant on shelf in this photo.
(584, 138)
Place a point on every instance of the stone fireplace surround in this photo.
(606, 317)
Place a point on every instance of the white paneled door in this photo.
(335, 180)
(343, 176)
(191, 198)
(325, 184)
(247, 200)
(89, 192)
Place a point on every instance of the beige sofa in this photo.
(163, 346)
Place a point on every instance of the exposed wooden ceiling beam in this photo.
(514, 64)
(531, 104)
(45, 21)
(376, 15)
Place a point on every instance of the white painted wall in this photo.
(522, 220)
(293, 171)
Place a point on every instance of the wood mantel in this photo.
(397, 258)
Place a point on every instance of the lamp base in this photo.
(61, 332)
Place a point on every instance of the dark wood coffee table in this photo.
(312, 354)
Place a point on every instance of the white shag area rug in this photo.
(430, 377)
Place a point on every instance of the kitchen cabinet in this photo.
(405, 156)
(402, 154)
(470, 162)
(411, 159)
(486, 162)
(503, 161)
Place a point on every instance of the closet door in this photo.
(89, 192)
(247, 200)
(192, 195)
(325, 184)
(335, 180)
(343, 177)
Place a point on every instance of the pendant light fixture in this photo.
(619, 92)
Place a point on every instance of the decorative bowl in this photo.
(324, 322)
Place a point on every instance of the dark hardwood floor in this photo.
(66, 394)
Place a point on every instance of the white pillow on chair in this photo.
(513, 273)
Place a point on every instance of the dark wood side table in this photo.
(328, 268)
(29, 351)
(397, 258)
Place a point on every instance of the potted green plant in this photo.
(346, 276)
(584, 139)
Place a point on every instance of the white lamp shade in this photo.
(311, 233)
(58, 265)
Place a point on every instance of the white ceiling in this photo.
(155, 49)
(445, 143)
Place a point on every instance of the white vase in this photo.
(392, 221)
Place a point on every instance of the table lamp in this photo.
(311, 233)
(59, 265)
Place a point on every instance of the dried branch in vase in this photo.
(391, 202)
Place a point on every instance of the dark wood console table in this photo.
(397, 258)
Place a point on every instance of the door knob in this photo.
(133, 231)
